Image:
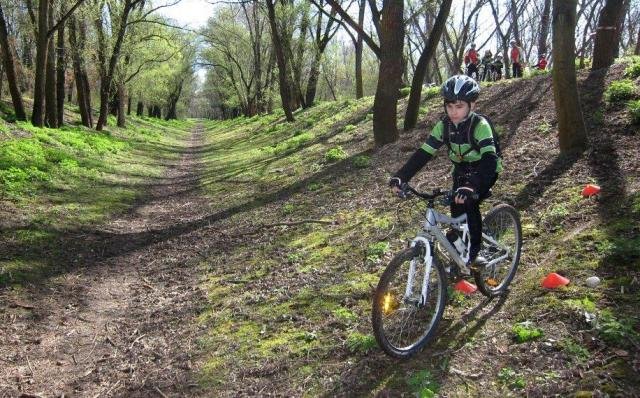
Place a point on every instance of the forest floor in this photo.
(120, 321)
(247, 268)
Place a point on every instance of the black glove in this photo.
(466, 193)
(395, 182)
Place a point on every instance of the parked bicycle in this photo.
(412, 292)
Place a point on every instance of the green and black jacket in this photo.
(479, 161)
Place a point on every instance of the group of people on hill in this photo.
(489, 68)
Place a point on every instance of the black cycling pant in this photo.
(471, 69)
(472, 208)
(517, 69)
(487, 72)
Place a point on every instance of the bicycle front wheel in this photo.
(502, 244)
(405, 316)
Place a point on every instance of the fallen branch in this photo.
(160, 392)
(135, 341)
(464, 374)
(25, 306)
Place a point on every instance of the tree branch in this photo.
(62, 20)
(346, 18)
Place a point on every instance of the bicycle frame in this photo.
(431, 232)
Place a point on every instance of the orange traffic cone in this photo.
(553, 281)
(465, 287)
(590, 190)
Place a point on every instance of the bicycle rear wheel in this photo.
(403, 320)
(502, 244)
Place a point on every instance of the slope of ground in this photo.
(286, 227)
(313, 225)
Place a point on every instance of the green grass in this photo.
(633, 70)
(524, 332)
(335, 154)
(67, 178)
(423, 384)
(511, 378)
(634, 111)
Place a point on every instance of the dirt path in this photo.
(122, 322)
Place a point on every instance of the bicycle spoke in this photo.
(408, 325)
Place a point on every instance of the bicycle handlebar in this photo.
(436, 192)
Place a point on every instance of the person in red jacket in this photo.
(516, 59)
(542, 62)
(471, 60)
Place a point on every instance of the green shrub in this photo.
(633, 70)
(539, 72)
(334, 154)
(523, 332)
(362, 161)
(615, 331)
(405, 91)
(620, 90)
(431, 92)
(634, 111)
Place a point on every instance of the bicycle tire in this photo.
(402, 306)
(486, 279)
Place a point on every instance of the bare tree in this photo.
(44, 32)
(9, 67)
(83, 87)
(411, 115)
(285, 93)
(544, 28)
(389, 25)
(565, 89)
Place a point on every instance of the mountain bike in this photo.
(412, 292)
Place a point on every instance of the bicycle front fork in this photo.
(423, 249)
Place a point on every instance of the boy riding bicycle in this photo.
(472, 150)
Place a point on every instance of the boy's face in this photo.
(458, 111)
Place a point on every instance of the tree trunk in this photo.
(60, 69)
(140, 109)
(37, 118)
(128, 105)
(82, 84)
(51, 103)
(359, 47)
(385, 103)
(544, 28)
(285, 94)
(571, 127)
(121, 98)
(157, 113)
(173, 102)
(620, 27)
(513, 10)
(605, 42)
(297, 61)
(107, 78)
(312, 83)
(637, 50)
(9, 67)
(411, 115)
